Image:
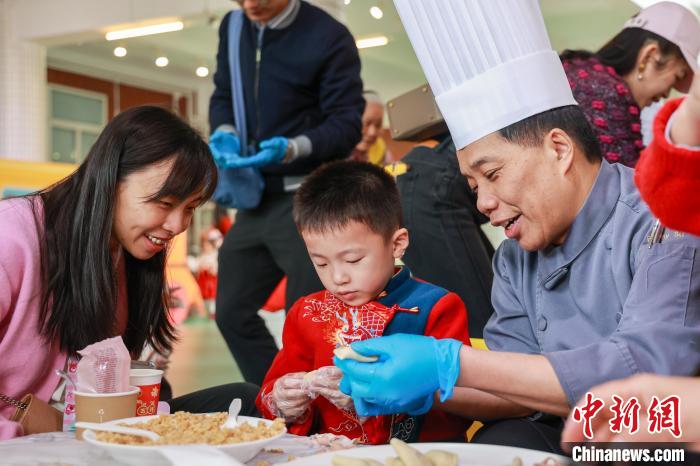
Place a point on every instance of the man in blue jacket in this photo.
(300, 74)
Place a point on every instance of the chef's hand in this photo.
(412, 407)
(409, 370)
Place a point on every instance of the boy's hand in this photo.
(325, 382)
(290, 399)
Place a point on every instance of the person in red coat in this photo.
(349, 216)
(668, 173)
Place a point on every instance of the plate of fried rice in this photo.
(181, 429)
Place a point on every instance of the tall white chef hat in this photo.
(488, 62)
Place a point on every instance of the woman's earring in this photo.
(640, 76)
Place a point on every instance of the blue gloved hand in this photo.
(409, 370)
(262, 158)
(365, 408)
(225, 146)
(412, 407)
(277, 145)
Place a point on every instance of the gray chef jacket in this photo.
(603, 305)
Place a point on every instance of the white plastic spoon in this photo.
(117, 429)
(233, 410)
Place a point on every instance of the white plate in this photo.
(470, 454)
(145, 454)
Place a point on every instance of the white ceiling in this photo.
(391, 70)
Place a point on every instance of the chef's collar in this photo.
(596, 211)
(284, 18)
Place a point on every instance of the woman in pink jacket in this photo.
(84, 259)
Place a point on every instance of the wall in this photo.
(120, 96)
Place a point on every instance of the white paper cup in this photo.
(148, 380)
(103, 407)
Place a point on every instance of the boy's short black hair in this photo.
(344, 191)
(571, 119)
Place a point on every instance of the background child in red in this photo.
(349, 216)
(207, 267)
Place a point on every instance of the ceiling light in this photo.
(347, 2)
(145, 30)
(162, 61)
(376, 41)
(120, 52)
(202, 71)
(376, 12)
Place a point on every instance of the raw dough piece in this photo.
(409, 455)
(442, 458)
(346, 352)
(338, 460)
(393, 461)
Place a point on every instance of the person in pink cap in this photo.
(655, 52)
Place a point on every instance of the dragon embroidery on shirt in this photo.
(347, 324)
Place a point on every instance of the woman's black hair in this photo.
(621, 51)
(79, 274)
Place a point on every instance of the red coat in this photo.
(311, 332)
(667, 177)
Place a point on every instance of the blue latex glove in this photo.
(413, 407)
(225, 146)
(409, 370)
(365, 408)
(226, 149)
(278, 147)
(262, 158)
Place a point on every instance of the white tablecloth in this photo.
(63, 449)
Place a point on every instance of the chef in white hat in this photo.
(584, 291)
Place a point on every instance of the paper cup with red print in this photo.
(148, 380)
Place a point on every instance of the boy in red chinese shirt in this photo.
(349, 216)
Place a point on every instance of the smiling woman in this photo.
(654, 52)
(144, 176)
(84, 259)
(144, 221)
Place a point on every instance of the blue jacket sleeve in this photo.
(659, 330)
(341, 101)
(220, 107)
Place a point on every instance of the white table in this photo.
(60, 448)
